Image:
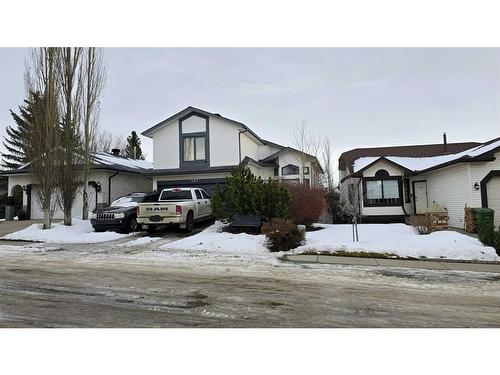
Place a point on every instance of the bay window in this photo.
(382, 190)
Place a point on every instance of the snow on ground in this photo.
(224, 246)
(80, 232)
(398, 239)
(142, 241)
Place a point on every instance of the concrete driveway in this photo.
(7, 227)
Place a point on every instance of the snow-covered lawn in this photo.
(397, 239)
(80, 232)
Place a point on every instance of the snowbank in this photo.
(80, 232)
(398, 239)
(221, 245)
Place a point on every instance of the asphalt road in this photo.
(110, 285)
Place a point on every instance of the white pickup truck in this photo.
(176, 206)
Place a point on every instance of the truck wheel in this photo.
(151, 228)
(132, 224)
(189, 222)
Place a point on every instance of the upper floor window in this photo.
(306, 170)
(194, 148)
(289, 169)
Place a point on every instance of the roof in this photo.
(346, 159)
(104, 161)
(261, 163)
(420, 158)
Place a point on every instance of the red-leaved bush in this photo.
(307, 204)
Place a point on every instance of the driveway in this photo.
(118, 285)
(7, 227)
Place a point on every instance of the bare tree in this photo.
(307, 143)
(70, 176)
(93, 79)
(105, 141)
(350, 203)
(327, 159)
(41, 78)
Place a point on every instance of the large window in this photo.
(289, 169)
(382, 190)
(194, 149)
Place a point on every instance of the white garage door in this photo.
(36, 213)
(493, 189)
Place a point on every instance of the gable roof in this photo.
(189, 110)
(103, 161)
(420, 158)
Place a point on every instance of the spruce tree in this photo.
(17, 140)
(133, 148)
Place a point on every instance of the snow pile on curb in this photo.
(398, 239)
(142, 241)
(80, 232)
(213, 243)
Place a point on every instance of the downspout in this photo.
(359, 200)
(109, 186)
(402, 193)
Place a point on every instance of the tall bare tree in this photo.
(70, 176)
(41, 78)
(327, 159)
(93, 80)
(105, 141)
(307, 143)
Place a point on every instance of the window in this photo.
(306, 170)
(198, 194)
(289, 169)
(175, 194)
(382, 190)
(194, 148)
(204, 194)
(276, 171)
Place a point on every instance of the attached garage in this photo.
(208, 185)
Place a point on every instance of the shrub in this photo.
(307, 204)
(420, 224)
(245, 194)
(282, 235)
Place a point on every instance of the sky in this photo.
(358, 97)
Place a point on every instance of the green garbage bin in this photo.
(485, 225)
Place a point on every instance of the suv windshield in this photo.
(167, 195)
(128, 201)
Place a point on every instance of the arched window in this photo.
(289, 169)
(382, 190)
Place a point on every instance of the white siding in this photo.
(264, 151)
(451, 188)
(224, 147)
(166, 147)
(248, 147)
(392, 170)
(478, 172)
(194, 124)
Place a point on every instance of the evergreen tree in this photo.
(17, 141)
(133, 148)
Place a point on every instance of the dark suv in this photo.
(121, 215)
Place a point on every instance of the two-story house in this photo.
(198, 148)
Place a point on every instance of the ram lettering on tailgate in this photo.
(157, 209)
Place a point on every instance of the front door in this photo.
(420, 196)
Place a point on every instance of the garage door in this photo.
(493, 188)
(208, 185)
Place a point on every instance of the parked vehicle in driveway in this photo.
(176, 206)
(121, 215)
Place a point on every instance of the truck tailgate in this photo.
(159, 209)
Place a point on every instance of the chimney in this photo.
(115, 151)
(445, 143)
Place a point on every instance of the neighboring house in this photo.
(111, 177)
(395, 182)
(198, 148)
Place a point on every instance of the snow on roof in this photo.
(109, 160)
(420, 164)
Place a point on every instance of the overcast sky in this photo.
(357, 97)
